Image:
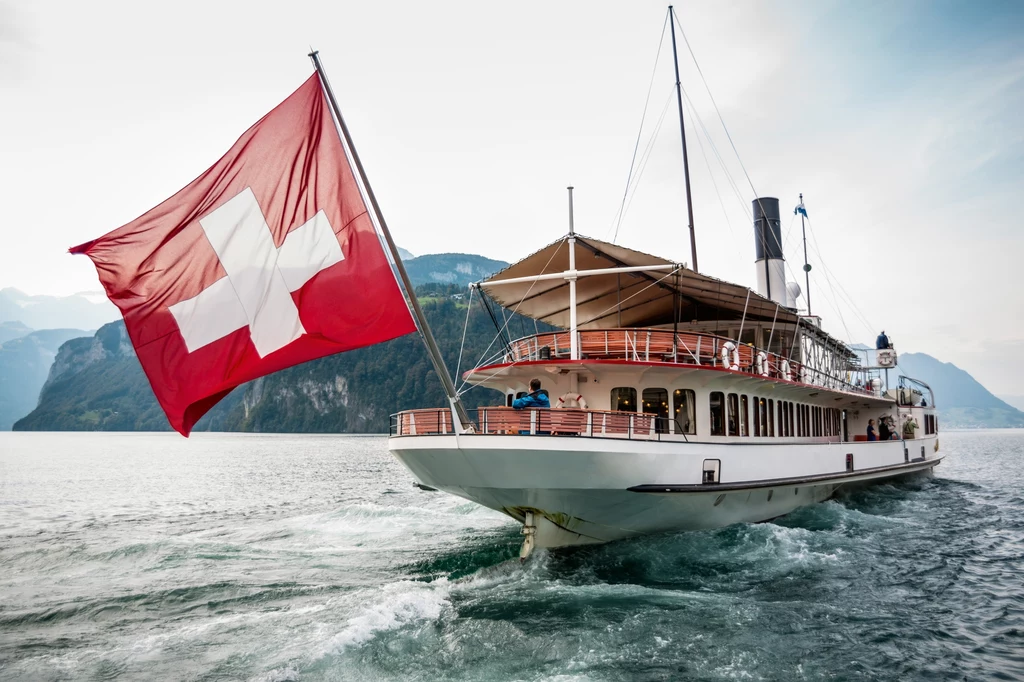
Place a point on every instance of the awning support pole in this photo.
(574, 350)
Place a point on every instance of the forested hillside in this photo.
(96, 383)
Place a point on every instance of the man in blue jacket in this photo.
(535, 398)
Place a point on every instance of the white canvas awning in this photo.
(643, 298)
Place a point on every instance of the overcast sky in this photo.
(901, 122)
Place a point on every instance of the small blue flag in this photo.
(801, 210)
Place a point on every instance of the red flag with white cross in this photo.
(267, 260)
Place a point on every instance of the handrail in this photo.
(683, 348)
(559, 422)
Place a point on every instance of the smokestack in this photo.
(769, 261)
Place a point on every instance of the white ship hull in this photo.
(584, 490)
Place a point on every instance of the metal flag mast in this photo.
(807, 266)
(682, 133)
(421, 321)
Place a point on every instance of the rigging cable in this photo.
(707, 162)
(525, 296)
(465, 327)
(639, 133)
(846, 295)
(644, 158)
(726, 129)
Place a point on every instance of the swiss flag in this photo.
(266, 260)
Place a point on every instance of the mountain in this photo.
(13, 329)
(962, 401)
(1013, 400)
(24, 364)
(80, 311)
(451, 268)
(97, 384)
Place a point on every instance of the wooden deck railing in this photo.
(656, 345)
(558, 422)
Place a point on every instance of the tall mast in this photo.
(421, 321)
(807, 266)
(682, 134)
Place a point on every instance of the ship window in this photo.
(780, 422)
(717, 403)
(734, 415)
(624, 399)
(763, 417)
(792, 429)
(771, 417)
(744, 425)
(656, 402)
(683, 409)
(756, 416)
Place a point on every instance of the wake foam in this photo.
(395, 606)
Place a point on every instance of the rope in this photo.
(644, 158)
(505, 326)
(465, 326)
(619, 304)
(639, 133)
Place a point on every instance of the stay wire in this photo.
(465, 327)
(846, 295)
(646, 156)
(505, 326)
(618, 304)
(714, 183)
(639, 134)
(725, 128)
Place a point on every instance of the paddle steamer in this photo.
(679, 401)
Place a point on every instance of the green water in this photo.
(254, 557)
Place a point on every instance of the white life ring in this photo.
(730, 348)
(568, 399)
(787, 372)
(761, 363)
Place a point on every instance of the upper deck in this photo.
(665, 347)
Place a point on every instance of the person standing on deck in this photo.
(882, 341)
(872, 435)
(535, 398)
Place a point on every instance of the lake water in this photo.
(255, 557)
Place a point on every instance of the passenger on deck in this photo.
(535, 398)
(882, 341)
(872, 435)
(884, 432)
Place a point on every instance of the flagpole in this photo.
(428, 337)
(807, 266)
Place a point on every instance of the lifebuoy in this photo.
(730, 348)
(568, 398)
(787, 372)
(761, 363)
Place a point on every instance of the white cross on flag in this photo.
(266, 260)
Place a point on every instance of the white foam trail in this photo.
(394, 606)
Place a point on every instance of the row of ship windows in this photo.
(741, 415)
(732, 415)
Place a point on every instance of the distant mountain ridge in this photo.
(78, 311)
(961, 400)
(96, 383)
(451, 268)
(25, 363)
